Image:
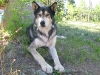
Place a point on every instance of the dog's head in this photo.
(44, 16)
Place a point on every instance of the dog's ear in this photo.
(54, 6)
(35, 6)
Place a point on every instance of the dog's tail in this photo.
(61, 37)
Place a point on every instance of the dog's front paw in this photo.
(59, 67)
(47, 68)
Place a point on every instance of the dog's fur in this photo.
(42, 32)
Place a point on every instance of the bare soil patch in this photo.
(15, 59)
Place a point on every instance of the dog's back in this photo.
(31, 32)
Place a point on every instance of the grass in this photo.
(81, 43)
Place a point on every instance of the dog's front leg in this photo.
(54, 55)
(32, 49)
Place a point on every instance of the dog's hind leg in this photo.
(32, 49)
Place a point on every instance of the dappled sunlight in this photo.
(91, 27)
(4, 35)
(81, 38)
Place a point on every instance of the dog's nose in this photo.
(42, 23)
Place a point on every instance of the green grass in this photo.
(82, 42)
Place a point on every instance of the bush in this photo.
(14, 18)
(2, 2)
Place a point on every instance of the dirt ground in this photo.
(16, 61)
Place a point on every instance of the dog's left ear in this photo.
(35, 6)
(54, 6)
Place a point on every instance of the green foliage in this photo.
(14, 17)
(60, 12)
(83, 12)
(3, 1)
(71, 1)
(71, 12)
(17, 21)
(57, 73)
(96, 13)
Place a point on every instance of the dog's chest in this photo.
(44, 38)
(47, 41)
(47, 36)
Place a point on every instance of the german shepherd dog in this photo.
(42, 32)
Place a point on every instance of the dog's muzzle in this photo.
(42, 23)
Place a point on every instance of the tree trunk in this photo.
(89, 16)
(89, 11)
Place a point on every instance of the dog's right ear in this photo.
(35, 6)
(54, 6)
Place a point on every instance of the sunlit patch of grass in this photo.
(81, 43)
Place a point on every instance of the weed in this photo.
(57, 73)
(15, 72)
(14, 17)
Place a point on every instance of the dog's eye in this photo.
(47, 15)
(39, 15)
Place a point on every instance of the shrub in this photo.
(2, 2)
(14, 18)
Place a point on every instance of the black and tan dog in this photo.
(42, 32)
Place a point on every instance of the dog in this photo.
(42, 32)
